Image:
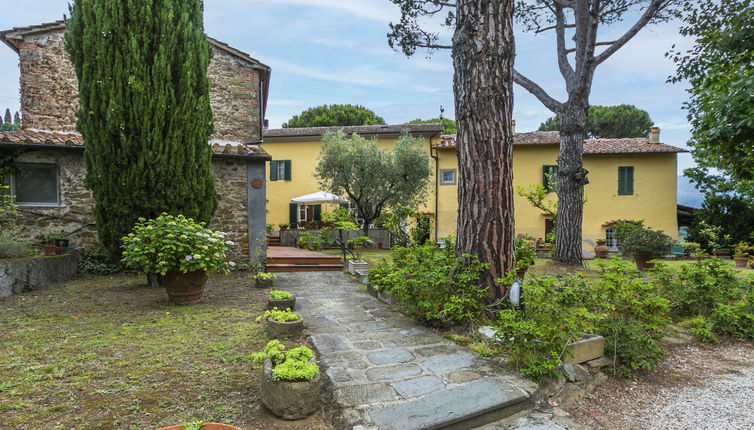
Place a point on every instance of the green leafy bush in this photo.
(525, 250)
(293, 365)
(736, 319)
(309, 241)
(277, 315)
(422, 230)
(264, 276)
(175, 243)
(13, 247)
(646, 243)
(280, 295)
(702, 329)
(434, 285)
(98, 261)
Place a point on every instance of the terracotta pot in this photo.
(281, 304)
(521, 273)
(205, 426)
(185, 288)
(277, 329)
(741, 261)
(290, 400)
(601, 251)
(642, 262)
(50, 249)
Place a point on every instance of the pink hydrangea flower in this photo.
(231, 264)
(229, 242)
(189, 258)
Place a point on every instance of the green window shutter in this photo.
(287, 170)
(293, 214)
(317, 212)
(625, 180)
(273, 170)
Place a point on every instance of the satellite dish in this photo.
(514, 294)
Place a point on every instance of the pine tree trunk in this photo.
(571, 181)
(483, 52)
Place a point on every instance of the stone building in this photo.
(47, 153)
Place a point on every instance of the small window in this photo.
(280, 170)
(625, 180)
(611, 239)
(447, 176)
(35, 185)
(550, 178)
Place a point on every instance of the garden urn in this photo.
(290, 400)
(601, 250)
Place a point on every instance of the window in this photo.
(302, 213)
(280, 170)
(35, 185)
(447, 176)
(625, 180)
(611, 239)
(550, 178)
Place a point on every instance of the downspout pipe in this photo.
(433, 153)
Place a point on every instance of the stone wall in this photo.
(231, 214)
(26, 274)
(49, 90)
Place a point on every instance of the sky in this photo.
(336, 51)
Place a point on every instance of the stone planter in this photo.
(281, 304)
(290, 400)
(642, 262)
(386, 297)
(277, 329)
(357, 266)
(205, 426)
(263, 283)
(363, 276)
(741, 261)
(601, 251)
(185, 288)
(371, 290)
(589, 347)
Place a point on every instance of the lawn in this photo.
(110, 352)
(542, 267)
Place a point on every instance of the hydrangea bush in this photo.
(174, 242)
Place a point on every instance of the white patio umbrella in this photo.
(317, 198)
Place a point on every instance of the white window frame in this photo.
(302, 208)
(442, 176)
(37, 204)
(281, 170)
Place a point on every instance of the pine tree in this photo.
(17, 119)
(144, 110)
(8, 118)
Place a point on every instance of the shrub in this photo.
(422, 231)
(646, 243)
(736, 319)
(742, 249)
(293, 365)
(701, 328)
(434, 285)
(13, 247)
(277, 315)
(98, 261)
(175, 243)
(280, 295)
(356, 244)
(525, 251)
(309, 241)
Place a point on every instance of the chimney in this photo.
(654, 134)
(266, 124)
(513, 126)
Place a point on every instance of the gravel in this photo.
(697, 387)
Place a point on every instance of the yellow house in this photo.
(629, 178)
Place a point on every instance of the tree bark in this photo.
(483, 52)
(571, 180)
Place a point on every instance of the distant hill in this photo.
(688, 195)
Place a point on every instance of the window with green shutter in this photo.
(280, 170)
(550, 178)
(625, 180)
(273, 170)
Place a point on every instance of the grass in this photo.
(110, 352)
(542, 266)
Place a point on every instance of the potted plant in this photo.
(355, 263)
(282, 323)
(201, 426)
(741, 253)
(264, 280)
(601, 250)
(284, 226)
(277, 299)
(525, 252)
(645, 244)
(291, 387)
(181, 250)
(52, 242)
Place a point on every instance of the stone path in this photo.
(388, 372)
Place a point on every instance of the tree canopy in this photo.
(374, 178)
(610, 122)
(144, 110)
(448, 125)
(334, 115)
(720, 109)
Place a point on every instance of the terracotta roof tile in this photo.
(360, 129)
(39, 137)
(639, 145)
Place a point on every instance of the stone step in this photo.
(461, 407)
(304, 260)
(290, 267)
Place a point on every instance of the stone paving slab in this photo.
(388, 372)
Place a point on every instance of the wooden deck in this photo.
(287, 259)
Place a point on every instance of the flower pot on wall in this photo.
(185, 288)
(50, 249)
(290, 400)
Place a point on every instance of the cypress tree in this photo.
(144, 112)
(8, 119)
(17, 119)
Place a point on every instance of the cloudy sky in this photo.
(335, 51)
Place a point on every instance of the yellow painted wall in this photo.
(654, 198)
(303, 153)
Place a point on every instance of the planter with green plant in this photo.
(525, 252)
(280, 300)
(645, 244)
(181, 250)
(284, 226)
(291, 383)
(264, 280)
(282, 323)
(741, 253)
(355, 264)
(201, 426)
